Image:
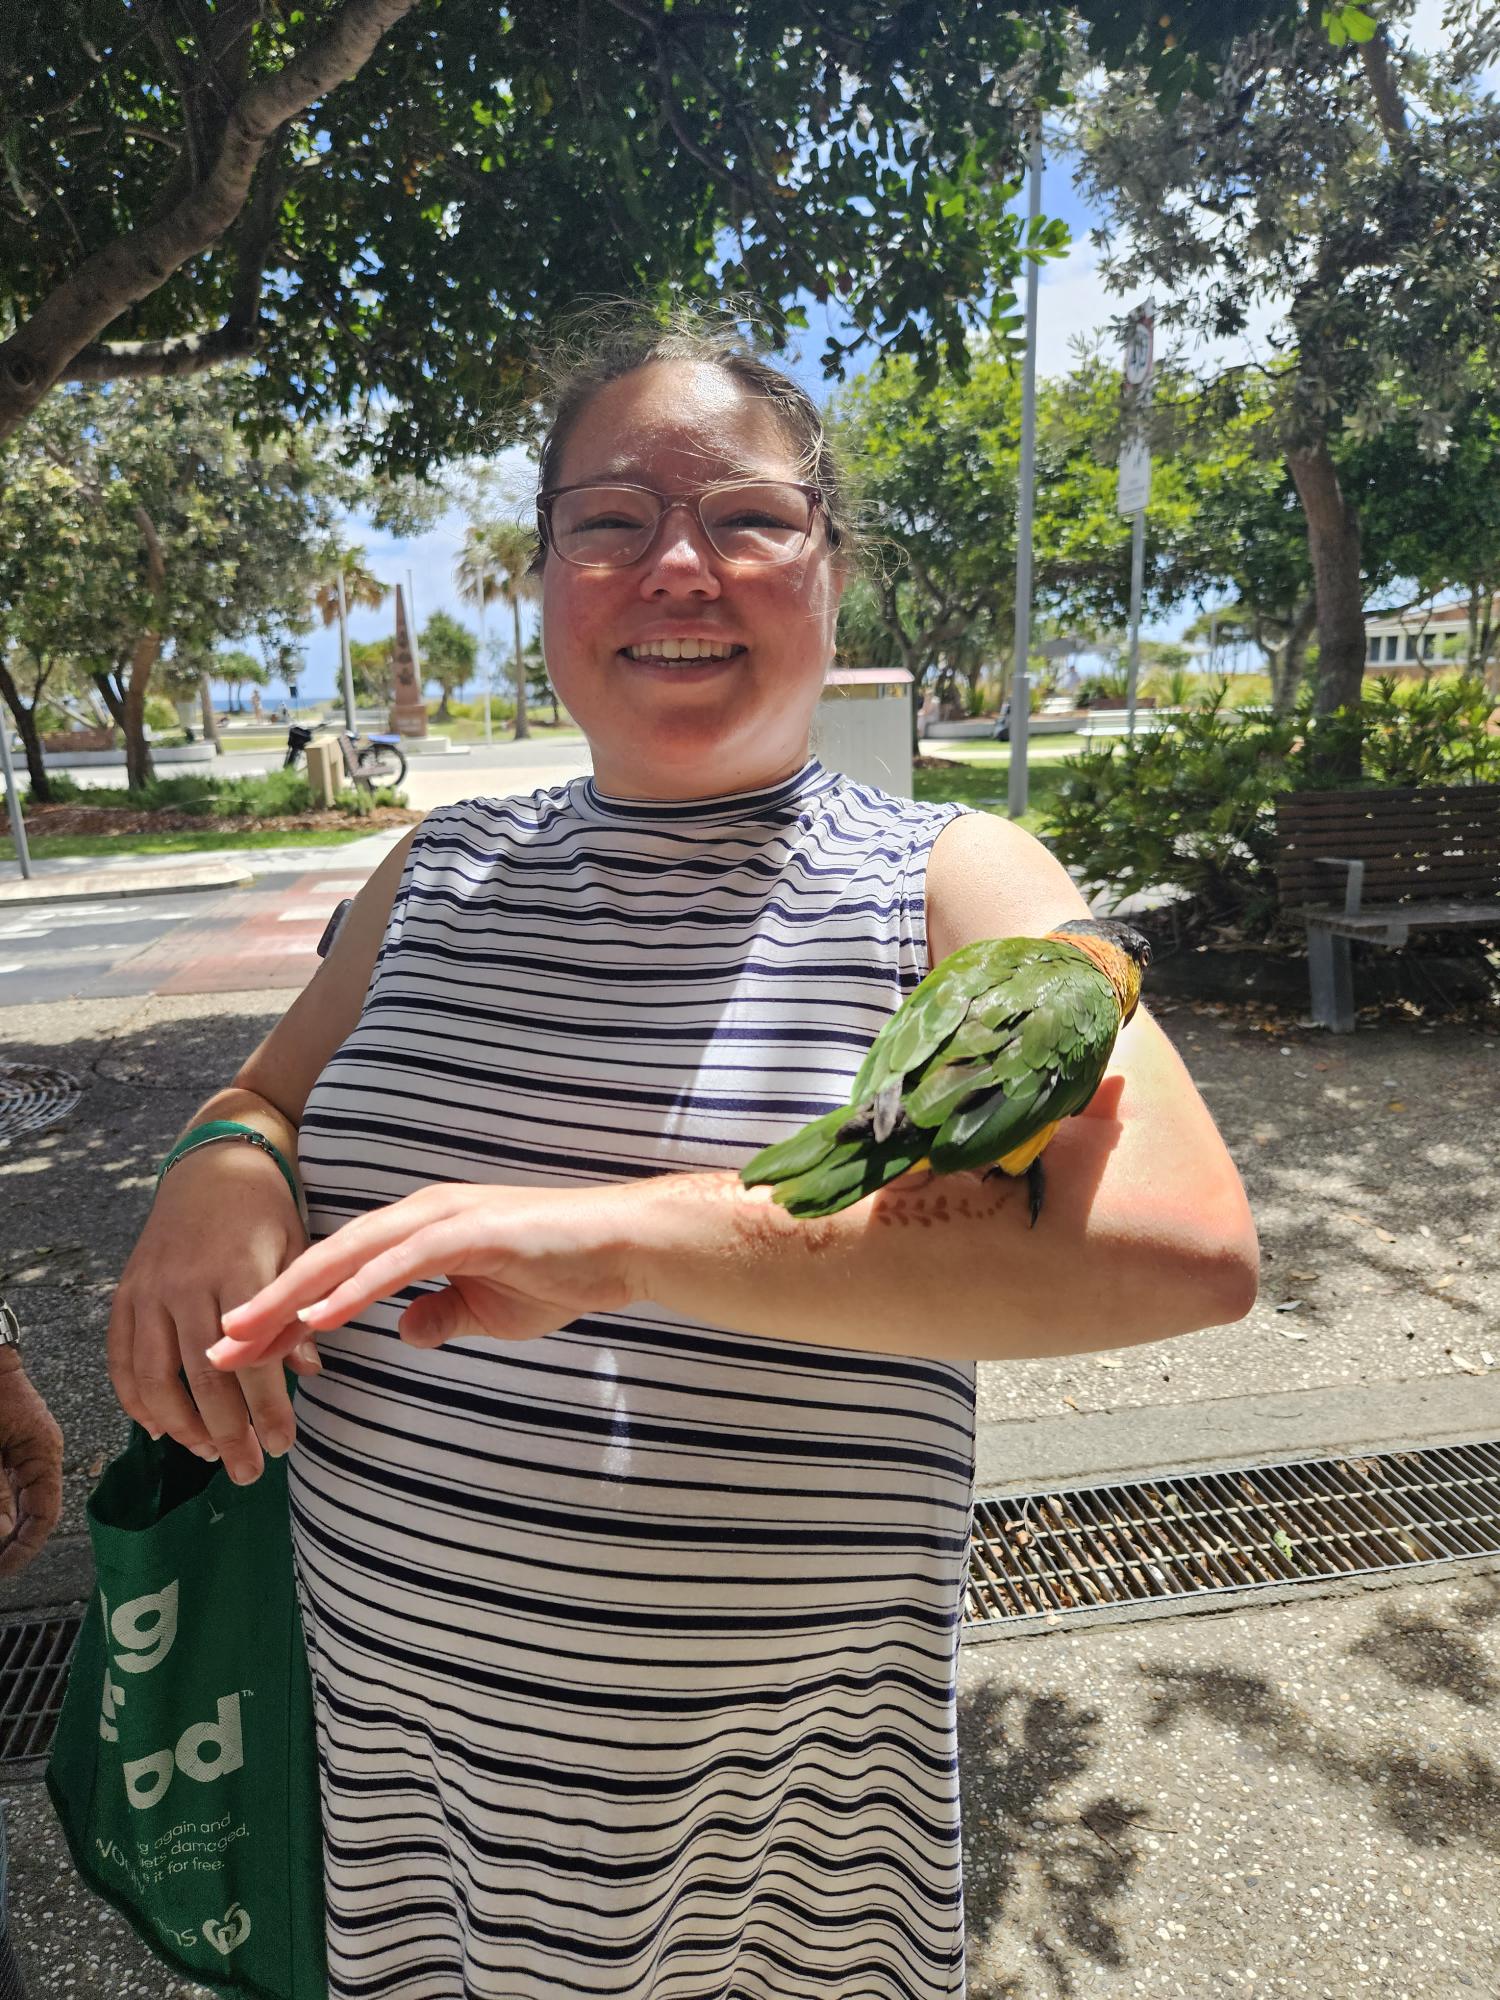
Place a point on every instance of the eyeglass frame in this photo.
(817, 498)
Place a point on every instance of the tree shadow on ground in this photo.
(1429, 1800)
(1043, 1871)
(1018, 1750)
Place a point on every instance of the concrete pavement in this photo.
(494, 770)
(1297, 1799)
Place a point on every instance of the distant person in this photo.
(255, 708)
(30, 1502)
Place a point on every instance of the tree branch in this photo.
(137, 263)
(160, 360)
(1375, 55)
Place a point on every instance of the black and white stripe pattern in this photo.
(634, 1647)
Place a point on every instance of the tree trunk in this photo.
(1288, 662)
(139, 770)
(30, 736)
(523, 727)
(443, 714)
(210, 721)
(1333, 543)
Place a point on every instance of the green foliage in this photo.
(160, 713)
(371, 670)
(153, 533)
(448, 651)
(1193, 804)
(871, 152)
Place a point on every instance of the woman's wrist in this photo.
(226, 1164)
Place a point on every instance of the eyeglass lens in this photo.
(606, 527)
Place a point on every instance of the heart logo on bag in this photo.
(227, 1936)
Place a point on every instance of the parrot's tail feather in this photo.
(799, 1154)
(844, 1180)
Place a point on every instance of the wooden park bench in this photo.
(1422, 857)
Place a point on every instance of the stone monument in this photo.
(408, 710)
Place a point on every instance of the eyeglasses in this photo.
(747, 521)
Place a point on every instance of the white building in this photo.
(1419, 638)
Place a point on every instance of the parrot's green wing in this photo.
(930, 1012)
(1045, 1067)
(1002, 1039)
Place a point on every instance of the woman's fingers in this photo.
(323, 1291)
(150, 1386)
(313, 1275)
(220, 1399)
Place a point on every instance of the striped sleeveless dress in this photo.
(633, 1647)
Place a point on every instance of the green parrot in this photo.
(976, 1068)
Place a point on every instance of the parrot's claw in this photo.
(1036, 1185)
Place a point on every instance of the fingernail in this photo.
(311, 1312)
(153, 1433)
(309, 1356)
(207, 1453)
(222, 1350)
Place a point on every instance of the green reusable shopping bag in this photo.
(184, 1769)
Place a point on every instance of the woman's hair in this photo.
(618, 337)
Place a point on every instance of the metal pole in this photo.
(345, 668)
(1020, 689)
(1137, 583)
(12, 801)
(485, 662)
(411, 606)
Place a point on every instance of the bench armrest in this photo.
(1354, 882)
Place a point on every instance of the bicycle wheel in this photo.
(383, 766)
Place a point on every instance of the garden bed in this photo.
(71, 820)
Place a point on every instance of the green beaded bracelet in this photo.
(226, 1128)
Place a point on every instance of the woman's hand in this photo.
(222, 1226)
(516, 1263)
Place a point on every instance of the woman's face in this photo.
(664, 729)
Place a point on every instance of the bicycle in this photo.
(369, 761)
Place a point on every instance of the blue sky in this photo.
(1073, 303)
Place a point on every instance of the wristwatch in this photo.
(10, 1326)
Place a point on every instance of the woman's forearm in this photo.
(950, 1267)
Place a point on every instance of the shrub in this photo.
(1192, 806)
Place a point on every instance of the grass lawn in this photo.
(75, 846)
(982, 780)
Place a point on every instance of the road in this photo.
(261, 937)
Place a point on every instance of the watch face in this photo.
(10, 1327)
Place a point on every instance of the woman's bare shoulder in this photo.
(988, 877)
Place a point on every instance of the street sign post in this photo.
(1133, 493)
(1018, 781)
(12, 799)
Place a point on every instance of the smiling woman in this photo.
(631, 1513)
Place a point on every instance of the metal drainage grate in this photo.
(34, 1661)
(33, 1097)
(1041, 1557)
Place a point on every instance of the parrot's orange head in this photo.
(1119, 951)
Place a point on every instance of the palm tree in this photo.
(361, 586)
(495, 563)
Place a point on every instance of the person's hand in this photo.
(516, 1263)
(222, 1226)
(31, 1449)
